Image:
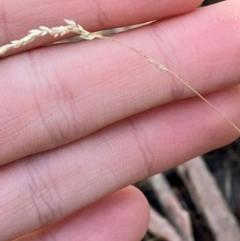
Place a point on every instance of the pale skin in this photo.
(81, 122)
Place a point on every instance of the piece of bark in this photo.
(161, 228)
(172, 208)
(209, 200)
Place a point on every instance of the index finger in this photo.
(18, 17)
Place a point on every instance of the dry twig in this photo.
(161, 228)
(171, 206)
(209, 201)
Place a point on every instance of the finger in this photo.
(47, 187)
(16, 20)
(123, 215)
(61, 94)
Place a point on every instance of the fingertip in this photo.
(123, 215)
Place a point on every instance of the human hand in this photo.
(81, 121)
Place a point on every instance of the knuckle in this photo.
(147, 152)
(45, 198)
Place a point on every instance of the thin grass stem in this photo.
(73, 27)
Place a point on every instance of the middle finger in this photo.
(47, 187)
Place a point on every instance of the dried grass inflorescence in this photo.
(73, 27)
